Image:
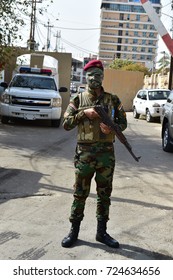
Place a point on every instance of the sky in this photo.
(75, 26)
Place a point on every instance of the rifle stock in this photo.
(115, 127)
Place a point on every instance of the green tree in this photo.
(128, 65)
(11, 20)
(137, 67)
(163, 62)
(120, 63)
(9, 26)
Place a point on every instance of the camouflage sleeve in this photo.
(71, 116)
(119, 113)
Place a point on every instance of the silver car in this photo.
(167, 125)
(2, 89)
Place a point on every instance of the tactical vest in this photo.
(89, 130)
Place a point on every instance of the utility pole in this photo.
(171, 62)
(62, 49)
(31, 41)
(48, 34)
(58, 36)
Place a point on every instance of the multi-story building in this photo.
(127, 32)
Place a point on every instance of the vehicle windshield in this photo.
(33, 82)
(158, 95)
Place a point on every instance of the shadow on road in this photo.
(128, 251)
(11, 185)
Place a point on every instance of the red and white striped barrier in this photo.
(158, 24)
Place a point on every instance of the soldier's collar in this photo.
(90, 90)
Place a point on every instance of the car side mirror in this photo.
(4, 84)
(169, 100)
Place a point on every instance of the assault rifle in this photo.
(115, 127)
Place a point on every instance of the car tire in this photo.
(148, 116)
(166, 144)
(4, 119)
(135, 114)
(55, 123)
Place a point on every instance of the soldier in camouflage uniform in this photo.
(94, 151)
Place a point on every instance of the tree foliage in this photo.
(128, 65)
(10, 23)
(163, 62)
(120, 63)
(11, 20)
(137, 67)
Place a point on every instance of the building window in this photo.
(136, 33)
(121, 16)
(126, 8)
(152, 27)
(138, 17)
(150, 50)
(134, 49)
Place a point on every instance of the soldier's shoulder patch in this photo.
(73, 106)
(66, 114)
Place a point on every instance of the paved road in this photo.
(36, 178)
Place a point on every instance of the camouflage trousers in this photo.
(98, 160)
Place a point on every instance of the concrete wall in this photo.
(157, 81)
(64, 62)
(123, 83)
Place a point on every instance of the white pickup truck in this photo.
(32, 95)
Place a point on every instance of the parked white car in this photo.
(149, 102)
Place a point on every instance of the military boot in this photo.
(103, 237)
(71, 238)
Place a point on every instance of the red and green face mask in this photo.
(94, 77)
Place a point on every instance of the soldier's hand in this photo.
(91, 113)
(104, 128)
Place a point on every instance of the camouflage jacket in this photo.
(75, 116)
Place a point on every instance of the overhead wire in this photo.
(77, 47)
(40, 22)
